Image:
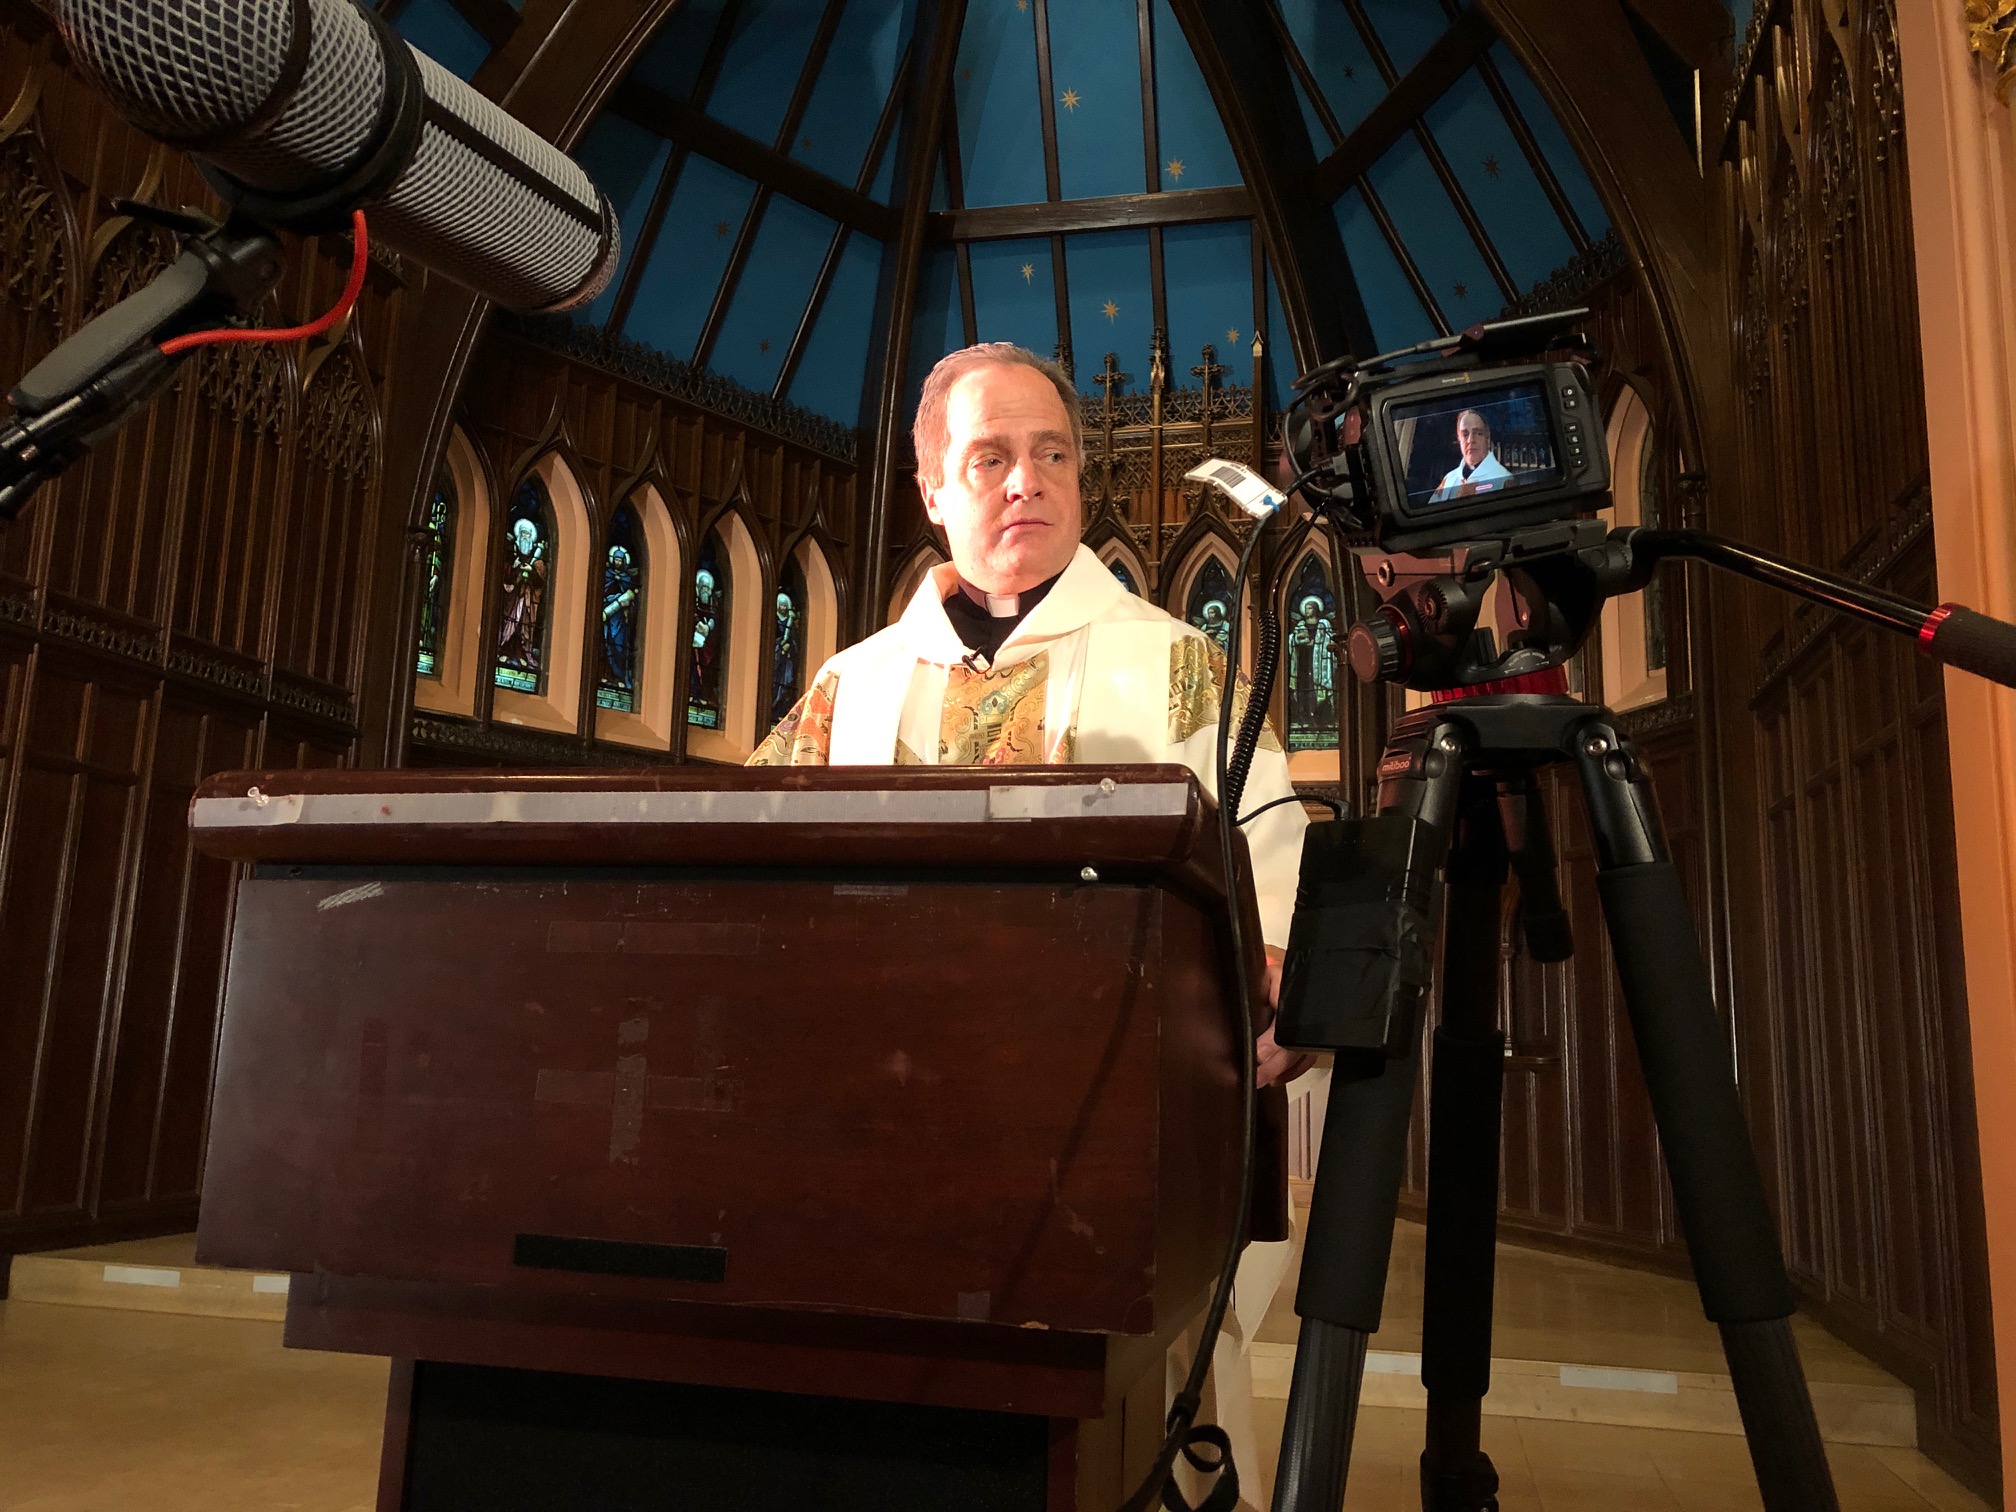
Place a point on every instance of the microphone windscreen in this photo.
(288, 96)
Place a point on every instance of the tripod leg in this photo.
(1466, 1091)
(1717, 1188)
(1349, 1239)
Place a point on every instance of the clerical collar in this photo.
(984, 620)
(1008, 606)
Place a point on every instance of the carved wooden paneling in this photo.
(1847, 975)
(188, 599)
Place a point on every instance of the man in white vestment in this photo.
(1480, 470)
(1024, 649)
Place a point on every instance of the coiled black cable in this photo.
(1265, 664)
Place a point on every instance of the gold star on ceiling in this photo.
(720, 228)
(1491, 167)
(1232, 337)
(1070, 99)
(1462, 291)
(1022, 5)
(1175, 168)
(1110, 310)
(1028, 272)
(762, 346)
(1349, 72)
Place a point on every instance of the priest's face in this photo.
(1474, 436)
(1009, 501)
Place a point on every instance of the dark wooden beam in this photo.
(903, 268)
(1151, 146)
(1698, 30)
(1248, 75)
(955, 196)
(1180, 207)
(1377, 209)
(1427, 81)
(1047, 104)
(493, 20)
(696, 131)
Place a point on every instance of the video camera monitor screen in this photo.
(1476, 441)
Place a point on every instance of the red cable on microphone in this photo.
(360, 247)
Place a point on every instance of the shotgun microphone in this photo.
(298, 112)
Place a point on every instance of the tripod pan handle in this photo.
(1972, 642)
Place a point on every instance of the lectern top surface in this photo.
(1141, 815)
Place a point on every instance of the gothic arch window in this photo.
(726, 698)
(643, 526)
(822, 606)
(1311, 655)
(1208, 603)
(1124, 565)
(787, 639)
(707, 668)
(1632, 630)
(449, 653)
(545, 577)
(619, 650)
(530, 563)
(437, 577)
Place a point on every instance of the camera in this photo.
(1463, 473)
(1463, 438)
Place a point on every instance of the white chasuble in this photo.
(1092, 674)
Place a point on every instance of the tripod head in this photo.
(1554, 580)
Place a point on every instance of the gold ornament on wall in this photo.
(1991, 32)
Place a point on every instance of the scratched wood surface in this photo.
(963, 1101)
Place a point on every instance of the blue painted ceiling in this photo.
(1478, 200)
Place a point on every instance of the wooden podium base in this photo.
(533, 1441)
(510, 1440)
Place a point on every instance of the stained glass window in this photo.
(1210, 603)
(1309, 649)
(1119, 570)
(787, 641)
(707, 685)
(528, 568)
(437, 568)
(622, 611)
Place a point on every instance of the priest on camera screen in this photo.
(1480, 468)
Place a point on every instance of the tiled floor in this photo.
(119, 1411)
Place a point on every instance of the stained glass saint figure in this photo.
(1210, 604)
(1310, 649)
(437, 567)
(706, 687)
(787, 642)
(622, 603)
(528, 565)
(1119, 570)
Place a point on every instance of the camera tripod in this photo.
(1459, 813)
(1458, 791)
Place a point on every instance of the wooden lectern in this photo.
(730, 1140)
